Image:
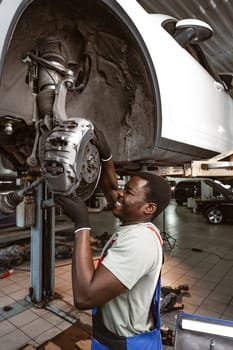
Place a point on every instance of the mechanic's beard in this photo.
(117, 213)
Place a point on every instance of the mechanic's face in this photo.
(131, 204)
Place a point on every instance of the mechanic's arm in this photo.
(108, 181)
(91, 287)
(108, 178)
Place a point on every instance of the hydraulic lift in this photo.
(64, 161)
(220, 165)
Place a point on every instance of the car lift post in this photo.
(43, 248)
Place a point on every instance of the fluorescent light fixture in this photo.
(205, 327)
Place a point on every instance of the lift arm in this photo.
(220, 165)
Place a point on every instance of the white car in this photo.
(141, 78)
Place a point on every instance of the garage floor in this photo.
(202, 258)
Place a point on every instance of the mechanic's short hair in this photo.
(159, 191)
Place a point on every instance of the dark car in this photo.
(8, 182)
(7, 220)
(186, 189)
(219, 209)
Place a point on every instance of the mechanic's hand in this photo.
(102, 145)
(76, 210)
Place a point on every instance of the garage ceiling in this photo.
(217, 13)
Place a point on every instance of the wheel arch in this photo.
(134, 131)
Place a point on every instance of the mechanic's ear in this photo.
(150, 208)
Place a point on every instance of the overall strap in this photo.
(157, 234)
(155, 305)
(103, 339)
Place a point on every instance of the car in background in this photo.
(186, 189)
(172, 184)
(8, 182)
(7, 220)
(218, 209)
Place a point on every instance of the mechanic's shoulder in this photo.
(152, 232)
(144, 230)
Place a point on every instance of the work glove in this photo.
(76, 210)
(102, 145)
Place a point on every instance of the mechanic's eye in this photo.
(127, 190)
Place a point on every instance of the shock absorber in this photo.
(51, 66)
(50, 78)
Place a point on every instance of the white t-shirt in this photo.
(135, 258)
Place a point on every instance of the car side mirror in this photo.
(192, 31)
(228, 79)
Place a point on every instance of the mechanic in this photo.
(124, 289)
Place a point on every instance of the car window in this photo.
(191, 184)
(219, 190)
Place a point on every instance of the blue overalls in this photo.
(103, 339)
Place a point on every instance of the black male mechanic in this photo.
(124, 289)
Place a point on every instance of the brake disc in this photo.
(91, 169)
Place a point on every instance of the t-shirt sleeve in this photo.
(133, 256)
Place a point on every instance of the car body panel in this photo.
(182, 78)
(146, 92)
(216, 211)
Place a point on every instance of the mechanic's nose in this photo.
(120, 194)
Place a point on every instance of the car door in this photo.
(227, 207)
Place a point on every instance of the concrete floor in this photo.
(202, 258)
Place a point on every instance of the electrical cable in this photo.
(206, 251)
(56, 266)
